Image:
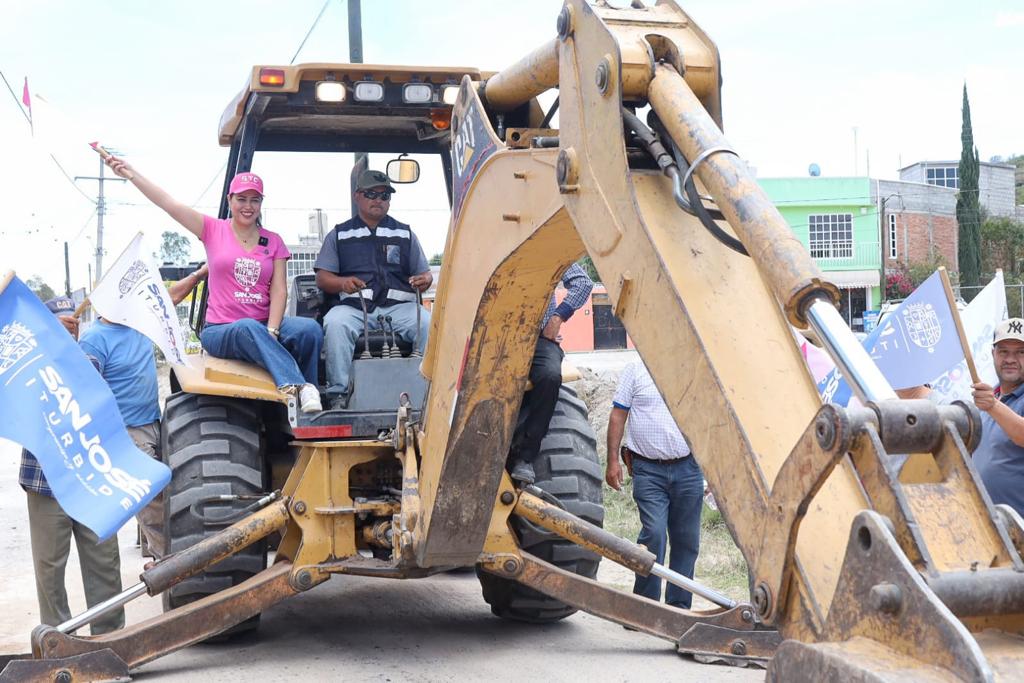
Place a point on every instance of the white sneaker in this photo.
(309, 399)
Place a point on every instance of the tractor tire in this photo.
(568, 469)
(212, 445)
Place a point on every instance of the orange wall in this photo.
(578, 331)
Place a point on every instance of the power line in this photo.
(16, 100)
(206, 189)
(310, 31)
(29, 119)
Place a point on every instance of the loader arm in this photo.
(793, 479)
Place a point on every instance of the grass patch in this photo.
(719, 564)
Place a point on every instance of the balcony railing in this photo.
(861, 256)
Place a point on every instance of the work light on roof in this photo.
(330, 91)
(449, 94)
(417, 93)
(368, 91)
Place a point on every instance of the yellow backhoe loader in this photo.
(874, 553)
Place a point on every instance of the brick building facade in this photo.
(917, 223)
(920, 238)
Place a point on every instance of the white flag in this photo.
(132, 293)
(980, 319)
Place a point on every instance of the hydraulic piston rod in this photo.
(596, 539)
(784, 263)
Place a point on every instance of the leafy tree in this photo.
(1002, 246)
(1018, 161)
(968, 208)
(436, 259)
(587, 264)
(40, 288)
(174, 248)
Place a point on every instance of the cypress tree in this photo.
(968, 208)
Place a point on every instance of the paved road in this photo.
(435, 629)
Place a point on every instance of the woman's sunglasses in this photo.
(373, 194)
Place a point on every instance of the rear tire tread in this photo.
(212, 445)
(568, 468)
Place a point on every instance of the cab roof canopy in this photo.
(382, 108)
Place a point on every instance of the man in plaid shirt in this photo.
(668, 486)
(546, 375)
(51, 529)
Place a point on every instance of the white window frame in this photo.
(834, 238)
(893, 250)
(943, 176)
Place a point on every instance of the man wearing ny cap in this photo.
(375, 257)
(668, 485)
(999, 457)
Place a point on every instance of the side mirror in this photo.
(403, 170)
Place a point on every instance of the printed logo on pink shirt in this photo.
(247, 273)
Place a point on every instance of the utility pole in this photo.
(856, 154)
(67, 272)
(101, 209)
(355, 56)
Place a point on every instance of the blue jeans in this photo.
(344, 323)
(290, 359)
(669, 497)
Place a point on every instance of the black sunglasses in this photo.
(373, 194)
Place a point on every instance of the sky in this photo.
(853, 87)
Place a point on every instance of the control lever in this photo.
(395, 351)
(416, 337)
(385, 351)
(366, 329)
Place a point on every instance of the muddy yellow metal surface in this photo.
(214, 376)
(295, 74)
(323, 512)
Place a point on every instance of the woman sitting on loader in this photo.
(247, 287)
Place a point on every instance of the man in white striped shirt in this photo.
(668, 485)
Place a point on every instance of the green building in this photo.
(837, 220)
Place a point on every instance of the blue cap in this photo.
(61, 305)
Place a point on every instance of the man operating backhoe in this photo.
(375, 257)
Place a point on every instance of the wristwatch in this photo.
(274, 331)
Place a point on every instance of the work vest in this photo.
(381, 258)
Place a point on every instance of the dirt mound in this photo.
(596, 389)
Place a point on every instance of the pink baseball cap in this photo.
(246, 181)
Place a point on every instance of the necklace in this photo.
(246, 240)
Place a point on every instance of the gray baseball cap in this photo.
(370, 179)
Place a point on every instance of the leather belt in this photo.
(660, 461)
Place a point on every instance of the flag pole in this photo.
(6, 280)
(964, 344)
(81, 308)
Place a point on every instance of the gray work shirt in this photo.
(999, 461)
(327, 259)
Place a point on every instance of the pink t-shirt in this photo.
(239, 279)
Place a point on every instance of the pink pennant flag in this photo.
(25, 98)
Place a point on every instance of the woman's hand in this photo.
(120, 167)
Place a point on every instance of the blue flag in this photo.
(911, 347)
(58, 407)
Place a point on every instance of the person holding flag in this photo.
(999, 458)
(247, 286)
(126, 361)
(51, 529)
